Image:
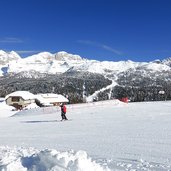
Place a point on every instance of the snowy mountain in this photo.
(82, 79)
(61, 62)
(6, 57)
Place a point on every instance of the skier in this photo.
(63, 112)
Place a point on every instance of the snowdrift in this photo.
(31, 159)
(22, 159)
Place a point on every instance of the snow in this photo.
(60, 62)
(66, 56)
(2, 99)
(5, 57)
(26, 95)
(32, 159)
(6, 111)
(94, 95)
(114, 66)
(157, 67)
(51, 98)
(31, 106)
(107, 135)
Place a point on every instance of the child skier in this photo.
(63, 112)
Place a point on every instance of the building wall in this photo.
(21, 103)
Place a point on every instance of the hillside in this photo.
(79, 78)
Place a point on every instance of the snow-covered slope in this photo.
(6, 57)
(61, 62)
(101, 136)
(46, 62)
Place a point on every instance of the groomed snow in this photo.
(100, 136)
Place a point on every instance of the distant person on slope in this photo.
(63, 112)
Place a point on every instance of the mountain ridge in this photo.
(60, 62)
(84, 80)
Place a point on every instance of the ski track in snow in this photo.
(94, 95)
(134, 137)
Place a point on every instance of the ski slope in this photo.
(101, 136)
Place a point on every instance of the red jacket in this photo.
(63, 108)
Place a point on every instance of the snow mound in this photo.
(23, 159)
(5, 110)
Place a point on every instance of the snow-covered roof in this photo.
(24, 94)
(51, 98)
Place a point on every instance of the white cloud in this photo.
(27, 51)
(103, 46)
(111, 49)
(10, 40)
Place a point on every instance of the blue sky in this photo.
(114, 30)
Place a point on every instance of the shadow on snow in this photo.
(40, 121)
